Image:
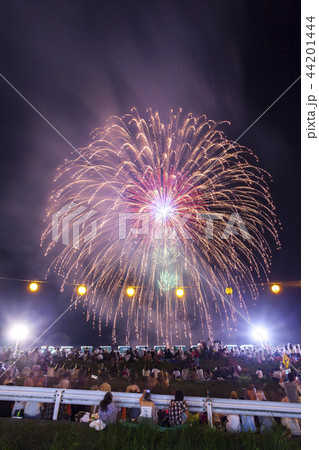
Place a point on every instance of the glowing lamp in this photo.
(260, 334)
(130, 291)
(275, 288)
(19, 332)
(81, 289)
(179, 292)
(33, 287)
(229, 290)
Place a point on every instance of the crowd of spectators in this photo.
(144, 371)
(75, 368)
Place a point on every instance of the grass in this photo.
(40, 434)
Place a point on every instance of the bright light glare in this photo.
(260, 334)
(275, 288)
(130, 291)
(19, 331)
(82, 289)
(33, 287)
(164, 211)
(164, 207)
(179, 292)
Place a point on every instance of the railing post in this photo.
(209, 408)
(57, 402)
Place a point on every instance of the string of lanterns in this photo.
(34, 286)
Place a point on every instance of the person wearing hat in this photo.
(233, 420)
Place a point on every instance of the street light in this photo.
(81, 289)
(275, 288)
(33, 287)
(19, 332)
(130, 291)
(180, 292)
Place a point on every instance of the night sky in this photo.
(78, 62)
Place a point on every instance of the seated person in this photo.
(6, 406)
(33, 410)
(233, 420)
(177, 410)
(291, 387)
(148, 410)
(107, 410)
(133, 413)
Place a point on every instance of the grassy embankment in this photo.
(28, 434)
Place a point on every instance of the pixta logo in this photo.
(73, 218)
(135, 224)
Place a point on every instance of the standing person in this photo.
(107, 410)
(177, 410)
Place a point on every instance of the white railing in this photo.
(129, 400)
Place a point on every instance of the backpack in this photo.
(163, 418)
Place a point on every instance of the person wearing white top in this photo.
(155, 371)
(146, 372)
(176, 373)
(233, 420)
(200, 373)
(32, 410)
(259, 373)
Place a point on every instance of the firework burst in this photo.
(152, 187)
